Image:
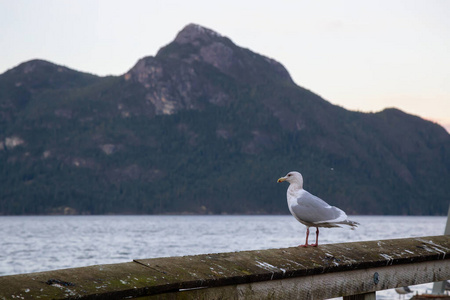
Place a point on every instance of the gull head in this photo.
(293, 177)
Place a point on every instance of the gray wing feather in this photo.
(312, 209)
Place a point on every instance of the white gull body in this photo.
(311, 210)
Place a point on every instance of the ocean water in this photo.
(41, 243)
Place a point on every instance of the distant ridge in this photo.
(205, 127)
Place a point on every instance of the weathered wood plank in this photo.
(249, 274)
(322, 286)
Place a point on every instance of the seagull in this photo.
(310, 210)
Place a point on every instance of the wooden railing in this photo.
(353, 270)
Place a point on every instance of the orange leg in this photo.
(307, 235)
(317, 238)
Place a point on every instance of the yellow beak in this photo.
(281, 179)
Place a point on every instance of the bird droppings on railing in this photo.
(329, 258)
(434, 247)
(389, 259)
(269, 267)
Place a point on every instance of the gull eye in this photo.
(289, 175)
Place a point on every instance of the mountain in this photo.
(205, 126)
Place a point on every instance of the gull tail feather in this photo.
(350, 223)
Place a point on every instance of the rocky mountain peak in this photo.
(176, 77)
(193, 34)
(195, 43)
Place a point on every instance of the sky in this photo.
(361, 55)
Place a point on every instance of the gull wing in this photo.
(311, 209)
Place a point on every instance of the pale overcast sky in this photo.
(362, 55)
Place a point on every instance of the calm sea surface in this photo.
(41, 243)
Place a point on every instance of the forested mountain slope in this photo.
(205, 126)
